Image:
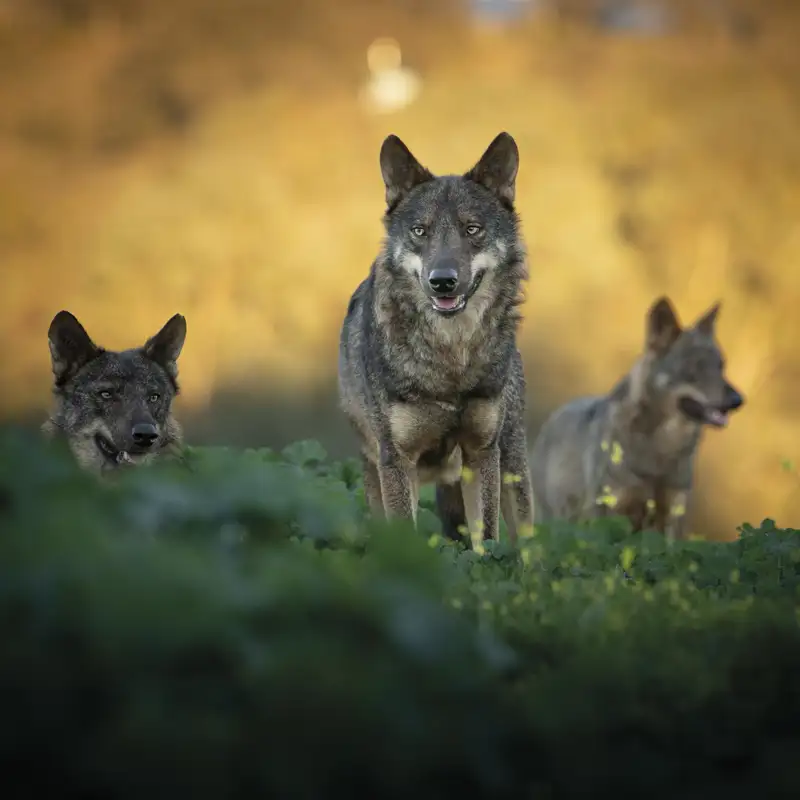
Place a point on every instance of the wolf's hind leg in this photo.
(450, 509)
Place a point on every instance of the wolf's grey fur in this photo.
(631, 452)
(114, 408)
(429, 371)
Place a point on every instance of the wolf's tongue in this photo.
(446, 302)
(717, 418)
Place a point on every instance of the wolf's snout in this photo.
(443, 280)
(144, 434)
(733, 399)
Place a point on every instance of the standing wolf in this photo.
(114, 408)
(429, 371)
(632, 451)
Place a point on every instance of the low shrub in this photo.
(236, 626)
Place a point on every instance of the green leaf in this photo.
(305, 453)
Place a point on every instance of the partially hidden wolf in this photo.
(632, 452)
(429, 372)
(114, 408)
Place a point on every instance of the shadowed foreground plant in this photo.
(239, 628)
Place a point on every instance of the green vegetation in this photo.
(239, 629)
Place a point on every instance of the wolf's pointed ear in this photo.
(663, 327)
(165, 347)
(497, 168)
(707, 322)
(70, 347)
(400, 170)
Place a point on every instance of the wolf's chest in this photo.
(427, 433)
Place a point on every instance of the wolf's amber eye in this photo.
(418, 231)
(105, 394)
(473, 230)
(154, 397)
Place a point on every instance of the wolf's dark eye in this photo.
(154, 398)
(418, 231)
(105, 394)
(473, 230)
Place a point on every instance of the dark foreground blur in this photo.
(237, 629)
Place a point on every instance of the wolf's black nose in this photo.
(144, 434)
(443, 281)
(733, 399)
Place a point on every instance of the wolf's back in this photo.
(562, 458)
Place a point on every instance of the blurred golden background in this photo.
(220, 159)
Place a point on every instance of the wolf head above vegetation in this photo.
(453, 239)
(685, 367)
(114, 408)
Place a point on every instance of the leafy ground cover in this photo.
(236, 626)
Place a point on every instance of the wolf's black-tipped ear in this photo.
(663, 327)
(400, 170)
(497, 168)
(165, 347)
(70, 347)
(707, 322)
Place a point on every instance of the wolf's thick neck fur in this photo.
(437, 356)
(653, 437)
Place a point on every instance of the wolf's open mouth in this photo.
(109, 451)
(717, 418)
(452, 305)
(699, 412)
(449, 305)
